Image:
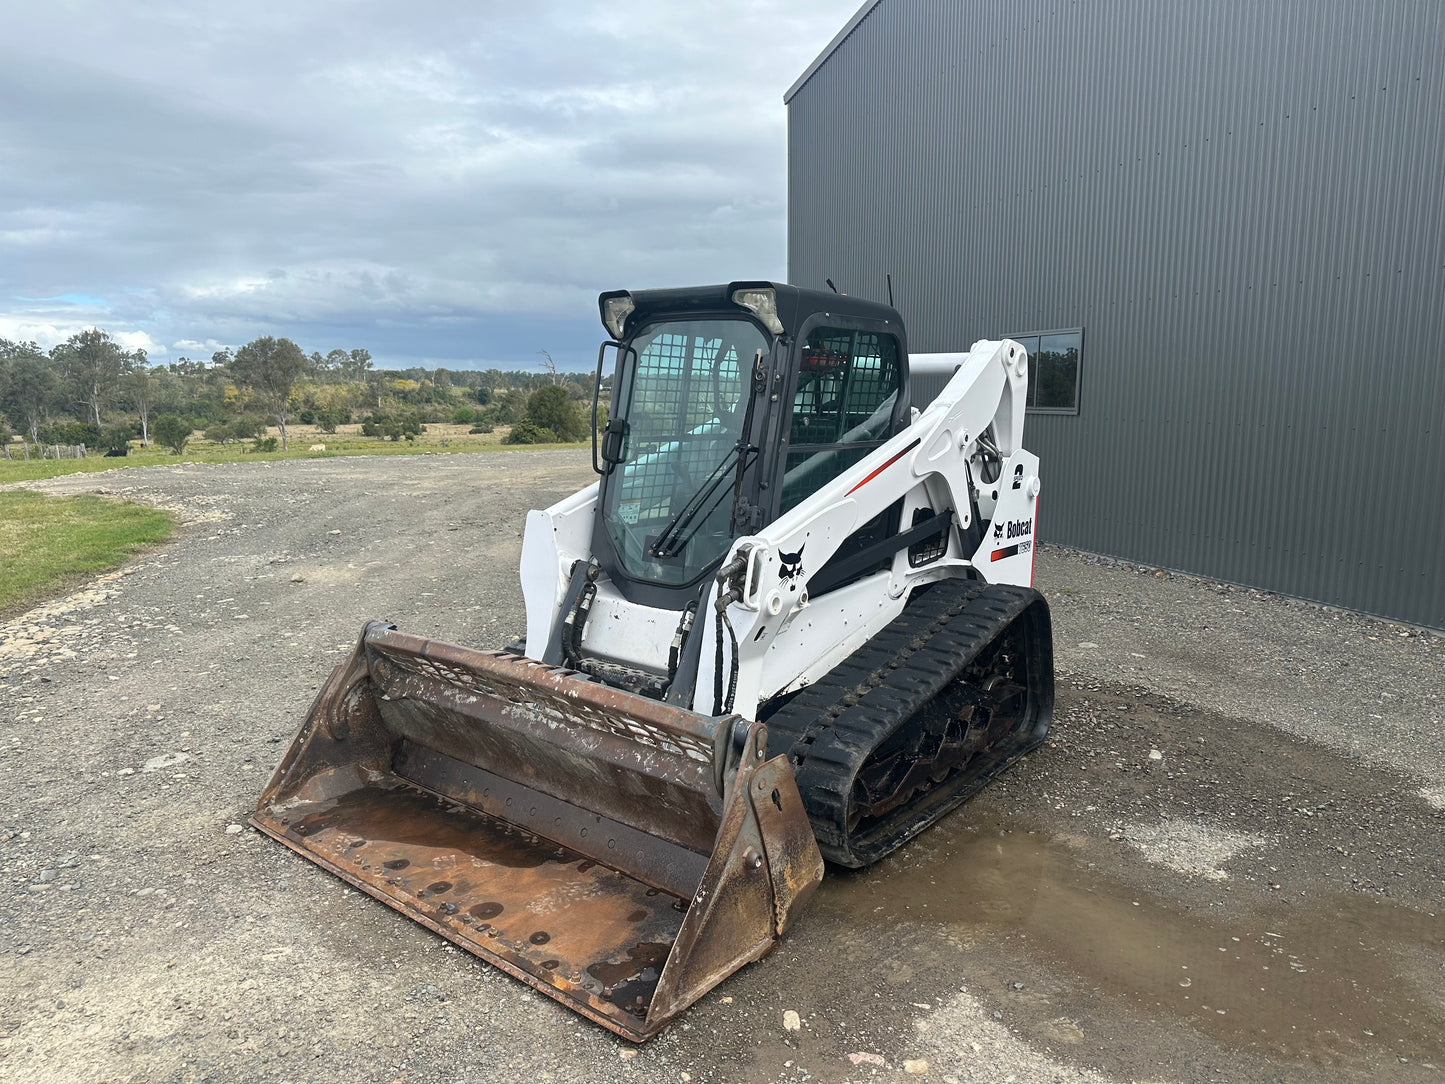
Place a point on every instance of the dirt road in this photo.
(1226, 864)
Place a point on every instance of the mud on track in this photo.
(1259, 901)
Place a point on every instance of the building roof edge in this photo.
(838, 39)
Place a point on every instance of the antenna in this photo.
(830, 285)
(890, 288)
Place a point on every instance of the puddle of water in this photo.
(1328, 980)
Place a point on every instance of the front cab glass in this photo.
(684, 394)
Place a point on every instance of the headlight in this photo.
(615, 311)
(763, 304)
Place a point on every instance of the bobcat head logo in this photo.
(790, 566)
(998, 530)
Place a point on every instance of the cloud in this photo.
(46, 335)
(199, 348)
(433, 180)
(131, 341)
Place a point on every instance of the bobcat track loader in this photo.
(791, 621)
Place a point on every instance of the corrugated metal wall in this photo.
(1243, 205)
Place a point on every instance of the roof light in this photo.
(615, 311)
(763, 304)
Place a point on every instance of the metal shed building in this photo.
(1220, 226)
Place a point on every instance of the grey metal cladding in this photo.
(1243, 205)
(838, 39)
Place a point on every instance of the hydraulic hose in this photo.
(725, 599)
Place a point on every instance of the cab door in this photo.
(848, 397)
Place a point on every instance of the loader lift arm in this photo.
(926, 460)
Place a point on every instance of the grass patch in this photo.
(47, 543)
(439, 438)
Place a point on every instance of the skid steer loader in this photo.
(791, 620)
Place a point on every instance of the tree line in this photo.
(90, 390)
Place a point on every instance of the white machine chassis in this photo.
(785, 638)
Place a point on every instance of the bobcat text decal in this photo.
(1017, 528)
(1014, 528)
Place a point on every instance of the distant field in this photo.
(48, 542)
(347, 440)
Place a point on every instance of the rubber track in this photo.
(832, 727)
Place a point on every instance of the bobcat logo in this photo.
(998, 530)
(790, 566)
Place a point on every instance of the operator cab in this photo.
(730, 404)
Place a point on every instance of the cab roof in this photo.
(795, 304)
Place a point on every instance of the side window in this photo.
(1053, 370)
(847, 385)
(844, 379)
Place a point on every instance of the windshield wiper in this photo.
(684, 525)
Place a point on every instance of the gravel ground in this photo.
(1224, 865)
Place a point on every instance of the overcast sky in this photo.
(441, 183)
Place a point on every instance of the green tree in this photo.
(173, 432)
(116, 438)
(87, 433)
(139, 387)
(358, 364)
(91, 366)
(550, 407)
(527, 433)
(28, 388)
(507, 408)
(246, 427)
(271, 367)
(377, 384)
(393, 427)
(220, 433)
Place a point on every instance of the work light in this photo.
(763, 304)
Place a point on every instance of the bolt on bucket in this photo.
(621, 855)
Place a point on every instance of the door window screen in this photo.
(684, 400)
(847, 386)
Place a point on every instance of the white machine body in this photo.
(785, 639)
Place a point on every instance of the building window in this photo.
(1053, 370)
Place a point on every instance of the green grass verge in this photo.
(48, 543)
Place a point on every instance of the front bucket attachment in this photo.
(621, 855)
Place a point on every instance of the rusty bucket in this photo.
(621, 855)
